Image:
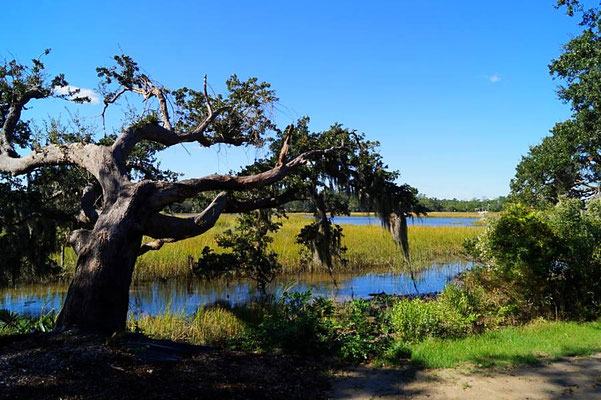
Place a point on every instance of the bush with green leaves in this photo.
(296, 324)
(549, 261)
(14, 324)
(479, 301)
(452, 314)
(413, 320)
(361, 330)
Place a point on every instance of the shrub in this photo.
(413, 320)
(550, 261)
(478, 301)
(299, 324)
(13, 324)
(249, 257)
(296, 324)
(360, 335)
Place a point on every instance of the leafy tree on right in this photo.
(568, 163)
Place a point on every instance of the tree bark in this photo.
(98, 297)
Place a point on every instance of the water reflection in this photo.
(189, 295)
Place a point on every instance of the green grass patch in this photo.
(530, 344)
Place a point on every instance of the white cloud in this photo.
(494, 78)
(83, 92)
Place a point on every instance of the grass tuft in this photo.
(208, 326)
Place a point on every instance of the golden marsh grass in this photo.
(368, 246)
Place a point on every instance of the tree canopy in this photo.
(567, 163)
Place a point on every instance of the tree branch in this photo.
(153, 245)
(285, 146)
(79, 154)
(97, 160)
(237, 206)
(78, 239)
(172, 192)
(110, 101)
(165, 136)
(154, 90)
(169, 229)
(90, 196)
(207, 99)
(13, 117)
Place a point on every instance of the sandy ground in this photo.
(569, 378)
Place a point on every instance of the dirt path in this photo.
(569, 378)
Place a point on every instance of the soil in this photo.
(569, 378)
(62, 366)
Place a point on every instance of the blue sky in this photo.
(455, 92)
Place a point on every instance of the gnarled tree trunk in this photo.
(98, 297)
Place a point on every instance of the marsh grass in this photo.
(530, 344)
(368, 246)
(207, 326)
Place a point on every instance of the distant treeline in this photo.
(431, 203)
(434, 204)
(300, 206)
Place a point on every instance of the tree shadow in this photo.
(85, 366)
(364, 382)
(574, 376)
(570, 377)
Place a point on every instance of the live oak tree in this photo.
(359, 173)
(123, 191)
(568, 163)
(119, 206)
